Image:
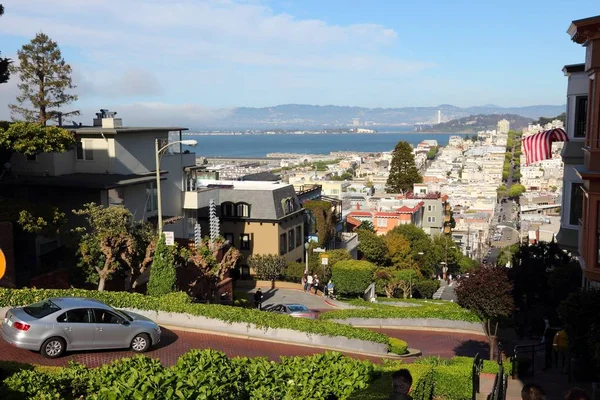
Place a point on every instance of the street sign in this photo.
(319, 250)
(169, 238)
(2, 264)
(324, 259)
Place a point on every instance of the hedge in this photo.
(180, 303)
(352, 277)
(426, 289)
(211, 374)
(293, 272)
(426, 309)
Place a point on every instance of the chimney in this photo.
(106, 119)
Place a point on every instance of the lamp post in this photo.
(188, 142)
(306, 246)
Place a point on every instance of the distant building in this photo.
(503, 126)
(439, 116)
(355, 121)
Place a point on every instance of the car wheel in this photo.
(140, 343)
(53, 347)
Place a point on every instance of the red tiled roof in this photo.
(360, 214)
(386, 214)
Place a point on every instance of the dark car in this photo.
(293, 310)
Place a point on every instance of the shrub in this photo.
(425, 289)
(352, 277)
(179, 302)
(293, 272)
(397, 346)
(162, 272)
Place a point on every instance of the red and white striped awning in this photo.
(538, 147)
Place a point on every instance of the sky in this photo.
(201, 58)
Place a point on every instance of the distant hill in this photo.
(299, 115)
(476, 123)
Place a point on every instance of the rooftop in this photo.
(242, 185)
(82, 130)
(81, 180)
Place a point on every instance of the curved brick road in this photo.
(175, 343)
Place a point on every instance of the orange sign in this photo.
(2, 264)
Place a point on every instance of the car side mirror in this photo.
(123, 322)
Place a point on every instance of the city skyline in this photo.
(201, 58)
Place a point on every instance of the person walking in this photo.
(309, 283)
(258, 296)
(316, 283)
(401, 383)
(561, 346)
(303, 282)
(329, 289)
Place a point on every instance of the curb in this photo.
(422, 328)
(411, 352)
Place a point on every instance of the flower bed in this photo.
(180, 303)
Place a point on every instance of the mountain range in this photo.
(299, 115)
(476, 123)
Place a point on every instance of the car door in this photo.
(78, 328)
(112, 331)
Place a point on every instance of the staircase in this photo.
(438, 294)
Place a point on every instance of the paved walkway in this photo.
(282, 296)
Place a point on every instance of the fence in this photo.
(477, 367)
(526, 358)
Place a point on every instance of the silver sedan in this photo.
(293, 310)
(56, 325)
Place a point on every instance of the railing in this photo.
(476, 371)
(523, 354)
(501, 380)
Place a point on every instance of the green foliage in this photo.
(324, 213)
(163, 277)
(41, 219)
(199, 374)
(397, 346)
(372, 247)
(399, 251)
(403, 172)
(579, 314)
(31, 138)
(516, 190)
(432, 152)
(267, 266)
(544, 120)
(367, 225)
(180, 303)
(293, 272)
(352, 277)
(45, 81)
(466, 264)
(395, 283)
(423, 309)
(4, 62)
(425, 289)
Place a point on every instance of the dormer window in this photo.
(243, 210)
(228, 209)
(289, 206)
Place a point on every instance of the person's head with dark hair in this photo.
(401, 381)
(531, 391)
(577, 394)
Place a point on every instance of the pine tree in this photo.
(45, 78)
(403, 172)
(163, 278)
(4, 62)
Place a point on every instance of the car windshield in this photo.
(124, 315)
(297, 308)
(41, 309)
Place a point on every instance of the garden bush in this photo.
(352, 277)
(293, 272)
(425, 309)
(180, 303)
(398, 346)
(425, 289)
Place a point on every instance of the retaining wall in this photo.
(408, 323)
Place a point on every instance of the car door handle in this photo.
(99, 329)
(68, 329)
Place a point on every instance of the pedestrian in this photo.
(303, 282)
(316, 283)
(531, 391)
(258, 296)
(547, 342)
(561, 346)
(309, 282)
(329, 289)
(577, 394)
(401, 383)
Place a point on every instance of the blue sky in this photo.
(200, 58)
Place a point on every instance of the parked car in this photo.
(293, 310)
(56, 325)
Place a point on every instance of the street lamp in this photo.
(187, 142)
(306, 247)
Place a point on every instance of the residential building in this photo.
(503, 127)
(255, 217)
(435, 215)
(587, 33)
(111, 165)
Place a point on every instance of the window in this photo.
(106, 317)
(381, 222)
(298, 236)
(430, 208)
(151, 197)
(576, 203)
(580, 116)
(431, 219)
(282, 243)
(289, 206)
(31, 158)
(41, 309)
(245, 241)
(243, 210)
(84, 150)
(229, 238)
(116, 197)
(291, 240)
(78, 315)
(228, 209)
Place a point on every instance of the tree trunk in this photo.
(273, 284)
(493, 344)
(101, 284)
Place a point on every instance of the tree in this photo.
(45, 80)
(212, 264)
(32, 138)
(466, 264)
(4, 62)
(420, 246)
(403, 172)
(367, 225)
(487, 292)
(372, 247)
(399, 251)
(267, 266)
(163, 278)
(108, 242)
(516, 190)
(396, 282)
(42, 219)
(333, 257)
(325, 216)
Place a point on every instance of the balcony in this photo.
(195, 200)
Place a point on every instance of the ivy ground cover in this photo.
(180, 303)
